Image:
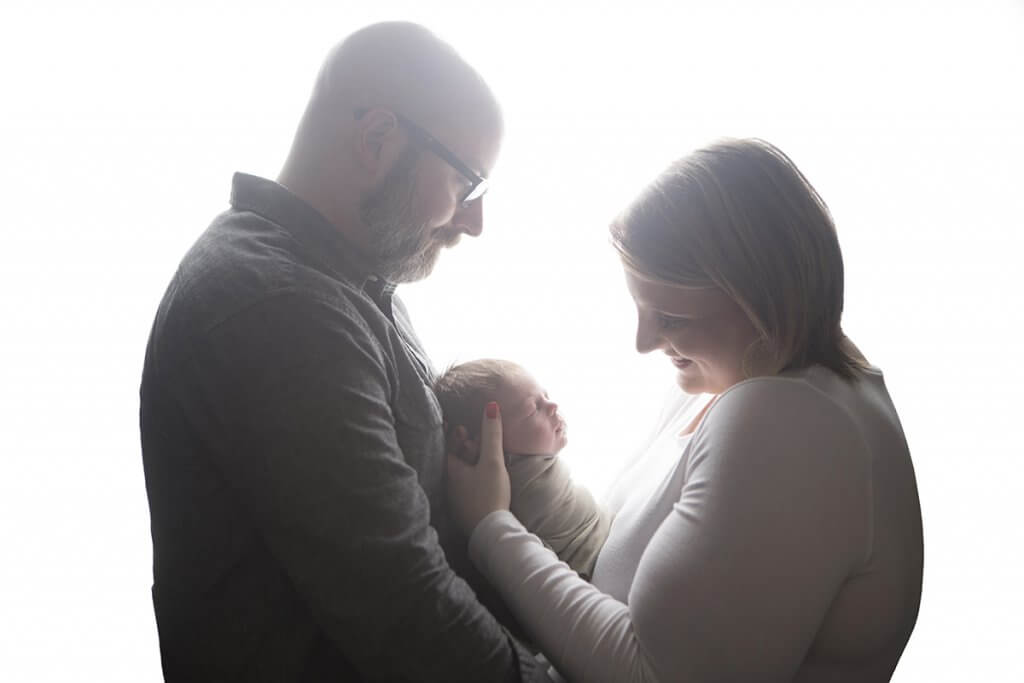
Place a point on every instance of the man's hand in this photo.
(476, 490)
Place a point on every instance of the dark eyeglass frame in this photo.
(478, 184)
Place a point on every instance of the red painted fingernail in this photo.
(492, 410)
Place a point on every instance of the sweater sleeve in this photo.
(771, 519)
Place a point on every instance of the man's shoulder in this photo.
(243, 258)
(246, 271)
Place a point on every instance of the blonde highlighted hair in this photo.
(739, 216)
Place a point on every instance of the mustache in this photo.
(450, 237)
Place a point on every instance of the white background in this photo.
(120, 126)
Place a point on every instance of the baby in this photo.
(544, 498)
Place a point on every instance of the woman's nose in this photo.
(647, 338)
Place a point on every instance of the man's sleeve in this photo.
(300, 392)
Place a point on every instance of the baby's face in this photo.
(530, 422)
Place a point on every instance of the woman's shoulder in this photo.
(812, 404)
(797, 431)
(815, 389)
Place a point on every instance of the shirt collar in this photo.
(309, 227)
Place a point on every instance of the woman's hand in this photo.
(475, 491)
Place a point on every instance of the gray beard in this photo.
(402, 250)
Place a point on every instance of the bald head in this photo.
(400, 73)
(406, 68)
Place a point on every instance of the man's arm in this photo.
(300, 393)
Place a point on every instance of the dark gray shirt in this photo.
(294, 462)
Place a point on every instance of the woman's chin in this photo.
(688, 383)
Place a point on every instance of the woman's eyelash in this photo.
(670, 322)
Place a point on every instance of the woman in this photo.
(771, 530)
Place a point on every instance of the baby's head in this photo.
(530, 423)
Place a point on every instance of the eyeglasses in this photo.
(478, 185)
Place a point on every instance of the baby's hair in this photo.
(465, 388)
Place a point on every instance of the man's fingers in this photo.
(490, 434)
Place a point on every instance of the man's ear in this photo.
(378, 140)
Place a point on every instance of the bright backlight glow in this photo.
(122, 124)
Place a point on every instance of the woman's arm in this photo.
(734, 584)
(587, 635)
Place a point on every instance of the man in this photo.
(293, 451)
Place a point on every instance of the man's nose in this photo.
(470, 219)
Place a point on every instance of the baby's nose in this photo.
(552, 407)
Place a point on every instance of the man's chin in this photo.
(417, 269)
